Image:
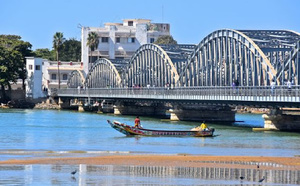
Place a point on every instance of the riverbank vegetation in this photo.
(13, 51)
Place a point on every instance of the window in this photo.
(130, 23)
(53, 76)
(104, 39)
(30, 67)
(37, 67)
(151, 40)
(131, 40)
(118, 40)
(65, 76)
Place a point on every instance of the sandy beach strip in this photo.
(171, 160)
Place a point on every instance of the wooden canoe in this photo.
(130, 131)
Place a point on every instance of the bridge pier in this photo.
(80, 107)
(285, 119)
(201, 113)
(63, 103)
(140, 109)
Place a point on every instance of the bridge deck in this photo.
(280, 96)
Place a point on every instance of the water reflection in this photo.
(148, 175)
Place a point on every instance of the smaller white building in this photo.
(50, 73)
(42, 76)
(34, 85)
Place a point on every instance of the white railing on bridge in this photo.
(241, 93)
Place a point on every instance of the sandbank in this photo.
(170, 160)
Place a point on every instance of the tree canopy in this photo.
(165, 40)
(12, 59)
(70, 51)
(93, 40)
(45, 53)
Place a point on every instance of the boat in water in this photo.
(131, 131)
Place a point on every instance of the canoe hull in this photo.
(130, 131)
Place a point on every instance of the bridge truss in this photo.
(103, 74)
(252, 57)
(225, 56)
(151, 65)
(76, 78)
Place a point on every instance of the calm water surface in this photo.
(40, 133)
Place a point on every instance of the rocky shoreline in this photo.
(48, 104)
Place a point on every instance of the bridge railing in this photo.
(152, 92)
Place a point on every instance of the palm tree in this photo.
(58, 40)
(92, 41)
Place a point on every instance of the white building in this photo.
(34, 87)
(50, 73)
(43, 76)
(120, 40)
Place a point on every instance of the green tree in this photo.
(45, 53)
(16, 47)
(58, 40)
(71, 50)
(10, 64)
(92, 41)
(165, 40)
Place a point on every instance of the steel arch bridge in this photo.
(151, 65)
(225, 56)
(76, 79)
(253, 57)
(103, 74)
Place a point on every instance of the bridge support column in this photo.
(285, 119)
(143, 109)
(80, 107)
(173, 116)
(63, 103)
(202, 113)
(116, 110)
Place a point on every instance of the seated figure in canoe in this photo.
(202, 127)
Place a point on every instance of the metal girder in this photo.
(151, 65)
(103, 74)
(289, 70)
(277, 46)
(76, 79)
(224, 56)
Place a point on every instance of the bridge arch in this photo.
(151, 65)
(224, 56)
(76, 78)
(102, 74)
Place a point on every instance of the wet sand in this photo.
(171, 160)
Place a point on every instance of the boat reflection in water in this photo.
(150, 175)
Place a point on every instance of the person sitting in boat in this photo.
(203, 126)
(137, 122)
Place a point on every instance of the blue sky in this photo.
(36, 21)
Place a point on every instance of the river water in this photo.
(48, 133)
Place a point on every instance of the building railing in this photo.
(241, 93)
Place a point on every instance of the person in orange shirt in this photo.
(137, 122)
